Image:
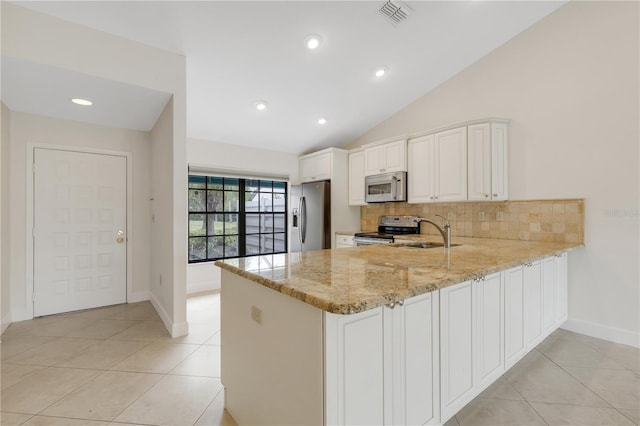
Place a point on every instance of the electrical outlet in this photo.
(256, 314)
(499, 216)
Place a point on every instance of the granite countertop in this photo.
(351, 280)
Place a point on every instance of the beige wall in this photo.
(570, 86)
(5, 265)
(31, 129)
(222, 156)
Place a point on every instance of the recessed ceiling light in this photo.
(261, 105)
(80, 101)
(322, 121)
(313, 41)
(381, 71)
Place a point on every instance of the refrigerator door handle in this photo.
(303, 220)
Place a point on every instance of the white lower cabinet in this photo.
(561, 289)
(514, 345)
(457, 329)
(354, 368)
(471, 340)
(421, 360)
(381, 365)
(489, 299)
(412, 367)
(533, 303)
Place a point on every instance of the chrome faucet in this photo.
(445, 232)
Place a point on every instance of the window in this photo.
(232, 217)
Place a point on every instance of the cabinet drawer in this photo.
(344, 240)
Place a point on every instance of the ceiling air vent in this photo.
(395, 12)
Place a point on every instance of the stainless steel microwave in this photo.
(386, 187)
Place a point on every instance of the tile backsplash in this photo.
(531, 220)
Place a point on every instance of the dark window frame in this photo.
(210, 214)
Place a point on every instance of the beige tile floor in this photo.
(118, 365)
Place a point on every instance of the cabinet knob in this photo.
(495, 195)
(486, 195)
(431, 198)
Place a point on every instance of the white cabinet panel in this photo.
(354, 368)
(490, 329)
(549, 295)
(515, 347)
(386, 158)
(456, 348)
(412, 361)
(420, 170)
(356, 179)
(499, 162)
(316, 167)
(533, 304)
(487, 162)
(479, 162)
(343, 241)
(450, 181)
(561, 289)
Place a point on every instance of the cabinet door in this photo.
(356, 179)
(395, 156)
(420, 170)
(479, 162)
(548, 295)
(490, 332)
(499, 162)
(514, 342)
(354, 363)
(561, 289)
(373, 161)
(412, 361)
(456, 348)
(532, 305)
(451, 165)
(316, 168)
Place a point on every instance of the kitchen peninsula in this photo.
(383, 334)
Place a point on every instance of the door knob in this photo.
(120, 240)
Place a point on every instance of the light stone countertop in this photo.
(351, 280)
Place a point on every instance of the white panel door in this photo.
(80, 205)
(457, 327)
(356, 179)
(420, 174)
(479, 162)
(514, 312)
(532, 304)
(354, 368)
(451, 165)
(549, 295)
(490, 329)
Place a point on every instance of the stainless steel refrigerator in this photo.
(311, 216)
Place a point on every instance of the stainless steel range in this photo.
(389, 227)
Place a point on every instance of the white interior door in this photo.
(80, 210)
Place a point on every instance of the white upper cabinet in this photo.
(386, 158)
(420, 175)
(315, 167)
(356, 179)
(438, 167)
(487, 162)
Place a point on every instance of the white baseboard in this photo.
(138, 296)
(175, 329)
(613, 334)
(20, 315)
(5, 322)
